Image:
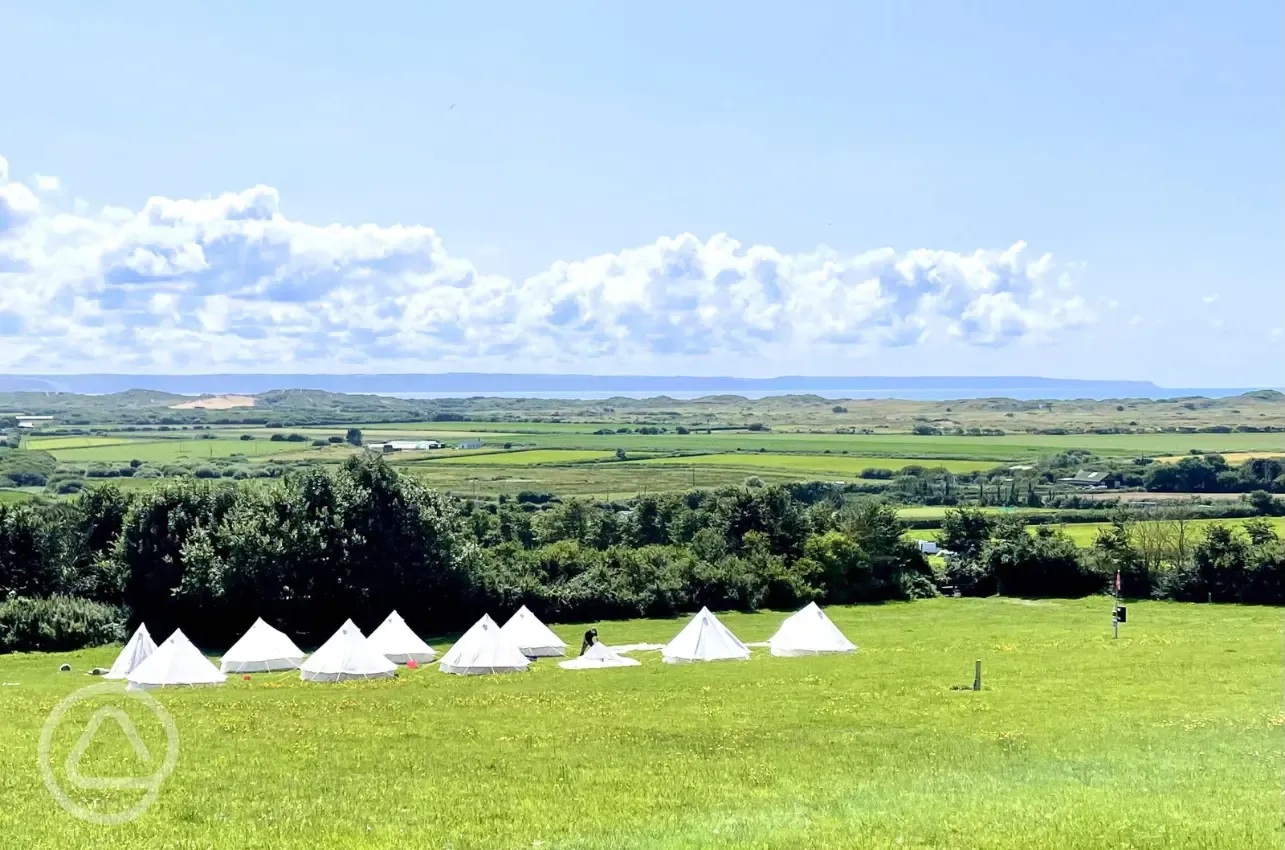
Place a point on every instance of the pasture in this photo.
(157, 450)
(522, 458)
(842, 466)
(1167, 737)
(1084, 533)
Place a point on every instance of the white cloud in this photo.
(232, 283)
(45, 183)
(1209, 299)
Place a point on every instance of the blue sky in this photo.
(699, 188)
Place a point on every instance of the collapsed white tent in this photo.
(704, 639)
(347, 655)
(809, 632)
(395, 641)
(262, 649)
(484, 649)
(596, 657)
(175, 663)
(534, 638)
(140, 646)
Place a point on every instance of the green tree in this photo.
(353, 437)
(964, 531)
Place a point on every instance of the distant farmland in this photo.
(842, 465)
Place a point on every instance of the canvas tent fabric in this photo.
(704, 638)
(394, 640)
(484, 648)
(175, 663)
(140, 646)
(809, 632)
(262, 649)
(597, 657)
(347, 655)
(534, 638)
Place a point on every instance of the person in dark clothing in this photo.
(589, 638)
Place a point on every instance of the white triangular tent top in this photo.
(395, 641)
(534, 638)
(596, 657)
(140, 646)
(484, 649)
(262, 649)
(176, 662)
(809, 632)
(704, 639)
(347, 655)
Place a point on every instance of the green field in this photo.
(831, 465)
(1167, 737)
(1084, 533)
(1013, 447)
(525, 458)
(861, 449)
(168, 450)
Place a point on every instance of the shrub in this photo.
(74, 485)
(57, 624)
(207, 472)
(335, 438)
(248, 436)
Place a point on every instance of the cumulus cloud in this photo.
(231, 282)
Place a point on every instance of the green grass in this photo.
(1084, 533)
(1012, 448)
(832, 465)
(166, 450)
(51, 444)
(1167, 737)
(522, 458)
(12, 496)
(939, 511)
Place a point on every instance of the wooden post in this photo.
(977, 675)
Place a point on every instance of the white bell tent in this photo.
(140, 646)
(262, 649)
(175, 663)
(395, 641)
(484, 649)
(597, 657)
(809, 632)
(347, 655)
(534, 638)
(704, 639)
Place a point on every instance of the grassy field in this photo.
(76, 449)
(1084, 533)
(1013, 447)
(527, 458)
(1168, 737)
(598, 480)
(985, 452)
(833, 465)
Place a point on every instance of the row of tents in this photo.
(485, 648)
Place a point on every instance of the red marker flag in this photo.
(1117, 582)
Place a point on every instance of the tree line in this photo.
(324, 544)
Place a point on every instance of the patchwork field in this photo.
(1167, 737)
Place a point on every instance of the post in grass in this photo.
(1115, 609)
